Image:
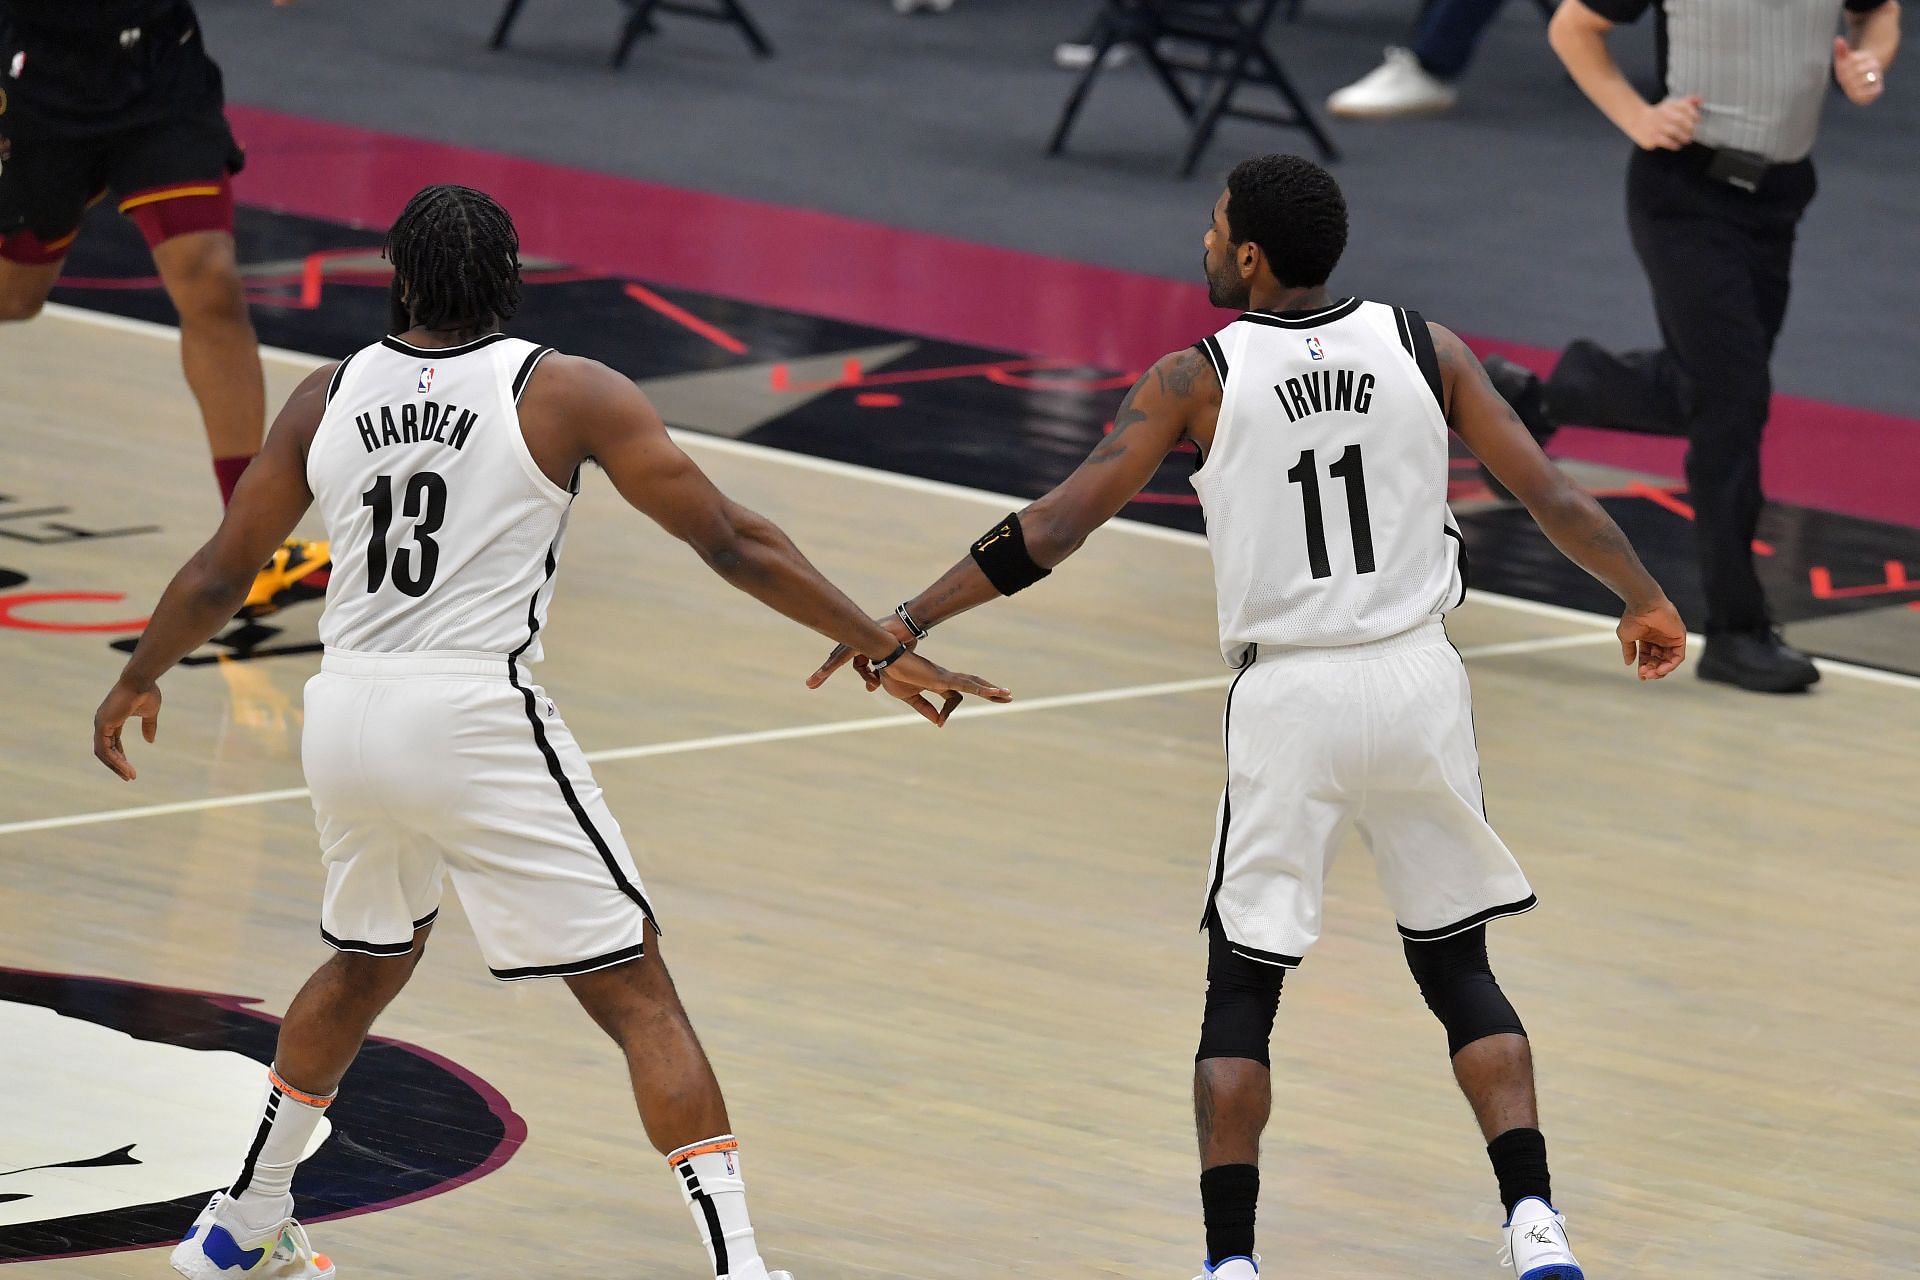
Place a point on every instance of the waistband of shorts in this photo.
(432, 662)
(1422, 635)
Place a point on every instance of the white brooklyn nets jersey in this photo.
(445, 532)
(1325, 489)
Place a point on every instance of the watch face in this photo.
(127, 1105)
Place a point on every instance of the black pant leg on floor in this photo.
(1716, 260)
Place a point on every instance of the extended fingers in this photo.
(963, 683)
(835, 660)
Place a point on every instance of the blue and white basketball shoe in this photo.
(1537, 1247)
(282, 1252)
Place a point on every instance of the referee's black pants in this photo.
(1718, 258)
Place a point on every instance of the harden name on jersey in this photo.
(415, 422)
(1324, 391)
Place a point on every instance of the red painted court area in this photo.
(1819, 455)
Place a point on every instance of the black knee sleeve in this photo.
(1242, 998)
(1459, 987)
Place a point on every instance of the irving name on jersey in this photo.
(1325, 391)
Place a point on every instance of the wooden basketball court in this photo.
(950, 979)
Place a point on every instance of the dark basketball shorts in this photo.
(171, 177)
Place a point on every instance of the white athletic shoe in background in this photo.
(1537, 1246)
(1233, 1269)
(1073, 56)
(1400, 86)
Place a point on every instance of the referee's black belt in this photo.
(1747, 170)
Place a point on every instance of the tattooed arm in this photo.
(1175, 399)
(1565, 512)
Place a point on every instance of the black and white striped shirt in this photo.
(1760, 67)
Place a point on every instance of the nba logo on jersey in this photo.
(732, 1170)
(1315, 350)
(426, 379)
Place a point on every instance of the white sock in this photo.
(715, 1190)
(262, 1196)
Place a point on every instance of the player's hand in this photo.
(1666, 126)
(1654, 637)
(1862, 78)
(842, 654)
(912, 677)
(124, 703)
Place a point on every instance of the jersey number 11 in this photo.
(1348, 467)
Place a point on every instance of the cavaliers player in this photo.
(119, 98)
(1322, 427)
(444, 460)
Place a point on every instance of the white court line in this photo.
(914, 484)
(685, 746)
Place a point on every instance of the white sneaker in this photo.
(1537, 1246)
(282, 1252)
(1400, 86)
(1232, 1269)
(1073, 56)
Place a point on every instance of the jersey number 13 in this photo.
(1348, 467)
(425, 504)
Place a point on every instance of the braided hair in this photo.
(456, 262)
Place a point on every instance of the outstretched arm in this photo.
(617, 427)
(1160, 410)
(202, 598)
(1565, 512)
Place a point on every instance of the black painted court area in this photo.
(988, 419)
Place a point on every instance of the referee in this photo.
(1715, 190)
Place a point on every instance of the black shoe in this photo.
(1757, 660)
(1524, 393)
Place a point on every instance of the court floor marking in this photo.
(973, 710)
(915, 484)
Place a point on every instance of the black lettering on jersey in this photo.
(462, 427)
(1325, 391)
(418, 422)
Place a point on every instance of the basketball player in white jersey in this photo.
(1322, 428)
(444, 460)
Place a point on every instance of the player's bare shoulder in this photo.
(1189, 379)
(1457, 361)
(299, 419)
(575, 408)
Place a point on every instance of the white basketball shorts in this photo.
(423, 765)
(1374, 736)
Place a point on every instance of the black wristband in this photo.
(881, 664)
(1002, 556)
(906, 620)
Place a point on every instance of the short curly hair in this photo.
(1292, 209)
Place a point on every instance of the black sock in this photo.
(1228, 1196)
(1520, 1162)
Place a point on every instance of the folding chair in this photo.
(640, 15)
(1230, 37)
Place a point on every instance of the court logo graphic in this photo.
(1315, 350)
(125, 1106)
